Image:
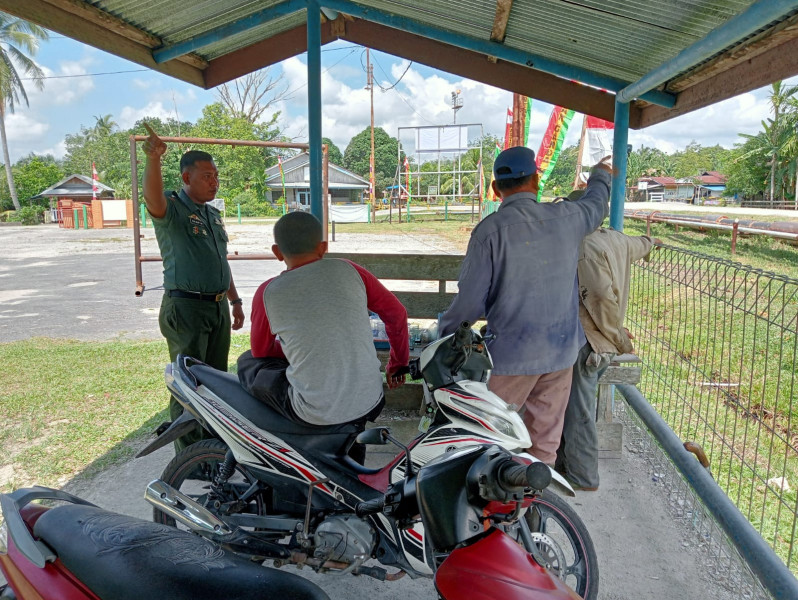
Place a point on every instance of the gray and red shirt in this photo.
(317, 317)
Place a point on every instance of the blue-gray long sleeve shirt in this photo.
(520, 272)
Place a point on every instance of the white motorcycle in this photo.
(275, 489)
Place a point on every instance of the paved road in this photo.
(76, 284)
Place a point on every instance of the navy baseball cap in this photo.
(514, 163)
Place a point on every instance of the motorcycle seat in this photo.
(123, 558)
(324, 439)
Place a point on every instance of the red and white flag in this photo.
(598, 141)
(94, 181)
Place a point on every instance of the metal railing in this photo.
(719, 342)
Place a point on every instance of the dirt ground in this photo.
(80, 284)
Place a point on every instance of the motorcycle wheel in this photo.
(192, 471)
(552, 516)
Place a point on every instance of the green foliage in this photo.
(32, 175)
(27, 215)
(333, 152)
(386, 149)
(240, 168)
(561, 180)
(695, 159)
(254, 205)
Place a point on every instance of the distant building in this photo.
(706, 188)
(344, 186)
(72, 192)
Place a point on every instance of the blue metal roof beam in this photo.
(736, 29)
(167, 53)
(494, 49)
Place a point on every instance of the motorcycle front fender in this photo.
(556, 478)
(493, 567)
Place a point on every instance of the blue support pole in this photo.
(619, 160)
(490, 48)
(314, 108)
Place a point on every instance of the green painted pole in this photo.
(85, 218)
(75, 218)
(239, 213)
(408, 209)
(284, 208)
(446, 210)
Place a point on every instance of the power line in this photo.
(393, 87)
(82, 75)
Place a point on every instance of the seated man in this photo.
(313, 358)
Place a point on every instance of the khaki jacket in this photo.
(604, 270)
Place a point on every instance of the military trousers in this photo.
(199, 329)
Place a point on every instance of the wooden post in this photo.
(96, 214)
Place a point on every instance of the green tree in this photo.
(561, 180)
(240, 168)
(32, 175)
(333, 152)
(19, 40)
(386, 152)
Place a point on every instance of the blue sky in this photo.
(76, 92)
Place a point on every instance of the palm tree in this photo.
(18, 40)
(104, 126)
(780, 97)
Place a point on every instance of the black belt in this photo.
(196, 295)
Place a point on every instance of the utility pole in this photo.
(457, 104)
(370, 87)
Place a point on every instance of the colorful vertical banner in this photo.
(508, 129)
(491, 196)
(527, 121)
(282, 175)
(94, 180)
(551, 145)
(407, 179)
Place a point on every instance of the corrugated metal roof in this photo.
(604, 43)
(624, 39)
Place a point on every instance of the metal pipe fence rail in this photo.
(719, 342)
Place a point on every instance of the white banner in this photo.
(114, 210)
(434, 139)
(598, 144)
(349, 213)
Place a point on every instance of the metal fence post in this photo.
(446, 210)
(85, 217)
(75, 218)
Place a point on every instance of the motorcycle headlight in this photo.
(493, 420)
(3, 538)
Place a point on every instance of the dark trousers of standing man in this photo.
(200, 329)
(577, 456)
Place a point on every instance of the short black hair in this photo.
(297, 233)
(190, 158)
(508, 184)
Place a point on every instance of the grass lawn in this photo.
(69, 408)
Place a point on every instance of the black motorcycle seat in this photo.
(123, 558)
(326, 439)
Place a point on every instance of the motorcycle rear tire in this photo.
(200, 462)
(553, 516)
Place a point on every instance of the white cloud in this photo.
(129, 114)
(58, 151)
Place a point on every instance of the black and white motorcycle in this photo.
(273, 489)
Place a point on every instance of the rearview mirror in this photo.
(377, 436)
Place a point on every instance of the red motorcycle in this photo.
(78, 551)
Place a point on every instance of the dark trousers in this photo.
(199, 329)
(577, 456)
(265, 379)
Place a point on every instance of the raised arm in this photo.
(154, 148)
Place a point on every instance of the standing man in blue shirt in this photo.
(520, 273)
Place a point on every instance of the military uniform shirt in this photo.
(193, 244)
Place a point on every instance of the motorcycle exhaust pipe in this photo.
(183, 509)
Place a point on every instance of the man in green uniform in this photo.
(198, 284)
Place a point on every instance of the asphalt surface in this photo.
(80, 284)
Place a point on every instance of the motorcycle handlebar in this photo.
(512, 476)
